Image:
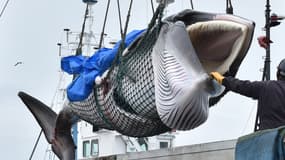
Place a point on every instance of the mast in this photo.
(270, 21)
(266, 72)
(266, 68)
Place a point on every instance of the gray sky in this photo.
(30, 30)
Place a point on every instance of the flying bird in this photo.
(18, 63)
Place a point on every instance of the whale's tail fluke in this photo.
(55, 127)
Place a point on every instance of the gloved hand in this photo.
(263, 41)
(217, 76)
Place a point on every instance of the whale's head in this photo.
(190, 46)
(220, 41)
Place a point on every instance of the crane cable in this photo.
(152, 6)
(36, 144)
(3, 9)
(229, 7)
(120, 17)
(104, 24)
(123, 33)
(127, 20)
(79, 48)
(191, 3)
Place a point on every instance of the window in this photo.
(86, 148)
(143, 143)
(90, 149)
(94, 147)
(163, 144)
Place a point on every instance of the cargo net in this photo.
(125, 99)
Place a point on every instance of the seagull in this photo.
(18, 63)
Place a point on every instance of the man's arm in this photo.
(246, 88)
(243, 87)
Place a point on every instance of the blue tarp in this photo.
(88, 68)
(261, 145)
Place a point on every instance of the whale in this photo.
(160, 84)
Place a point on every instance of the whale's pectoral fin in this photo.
(55, 127)
(43, 114)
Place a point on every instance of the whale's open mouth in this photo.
(189, 47)
(221, 41)
(217, 43)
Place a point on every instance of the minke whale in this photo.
(161, 83)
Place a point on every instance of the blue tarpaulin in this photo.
(88, 68)
(261, 145)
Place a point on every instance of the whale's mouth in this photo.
(189, 47)
(217, 43)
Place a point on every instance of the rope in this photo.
(79, 48)
(191, 3)
(122, 44)
(113, 97)
(229, 7)
(157, 16)
(152, 6)
(104, 25)
(4, 8)
(123, 35)
(127, 22)
(120, 18)
(36, 144)
(249, 117)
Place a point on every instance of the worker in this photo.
(270, 95)
(271, 104)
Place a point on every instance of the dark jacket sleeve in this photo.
(244, 87)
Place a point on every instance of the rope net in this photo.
(158, 82)
(125, 100)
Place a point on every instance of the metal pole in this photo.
(266, 68)
(267, 57)
(36, 144)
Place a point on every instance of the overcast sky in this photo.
(30, 30)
